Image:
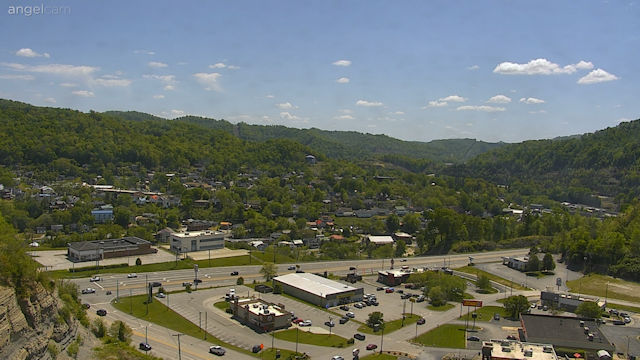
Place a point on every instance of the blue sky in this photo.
(415, 70)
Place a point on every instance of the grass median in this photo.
(307, 337)
(378, 356)
(606, 286)
(485, 313)
(446, 336)
(161, 315)
(391, 326)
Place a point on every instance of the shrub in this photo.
(240, 281)
(138, 262)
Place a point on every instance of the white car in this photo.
(95, 278)
(350, 315)
(132, 275)
(89, 291)
(337, 357)
(305, 323)
(217, 350)
(161, 295)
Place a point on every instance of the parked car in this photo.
(256, 348)
(88, 291)
(358, 305)
(359, 336)
(305, 323)
(186, 283)
(496, 316)
(379, 288)
(144, 346)
(161, 295)
(156, 284)
(533, 306)
(350, 315)
(400, 291)
(291, 267)
(343, 320)
(372, 347)
(95, 278)
(473, 338)
(330, 323)
(217, 350)
(405, 296)
(511, 337)
(297, 321)
(545, 308)
(420, 298)
(421, 321)
(132, 275)
(101, 312)
(337, 357)
(626, 319)
(388, 290)
(234, 273)
(344, 307)
(618, 322)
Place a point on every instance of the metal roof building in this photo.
(318, 290)
(109, 248)
(565, 332)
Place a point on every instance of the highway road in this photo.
(164, 342)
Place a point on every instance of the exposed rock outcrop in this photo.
(27, 325)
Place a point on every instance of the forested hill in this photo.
(68, 142)
(342, 144)
(606, 162)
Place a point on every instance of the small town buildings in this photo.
(516, 350)
(518, 263)
(393, 277)
(260, 315)
(318, 290)
(565, 332)
(567, 301)
(108, 249)
(183, 242)
(379, 240)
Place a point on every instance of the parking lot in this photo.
(57, 259)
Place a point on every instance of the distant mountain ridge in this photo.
(340, 144)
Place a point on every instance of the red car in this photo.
(296, 320)
(372, 347)
(389, 290)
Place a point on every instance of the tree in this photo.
(393, 223)
(120, 331)
(437, 297)
(138, 262)
(533, 264)
(240, 281)
(98, 328)
(269, 270)
(401, 247)
(515, 305)
(374, 319)
(483, 282)
(548, 264)
(277, 288)
(589, 309)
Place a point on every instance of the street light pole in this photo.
(382, 339)
(179, 350)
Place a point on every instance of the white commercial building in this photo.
(318, 290)
(184, 242)
(380, 240)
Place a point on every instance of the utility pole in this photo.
(205, 325)
(130, 302)
(297, 329)
(200, 320)
(117, 291)
(146, 334)
(179, 350)
(404, 306)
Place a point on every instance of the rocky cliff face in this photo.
(27, 325)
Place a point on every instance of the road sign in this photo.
(476, 303)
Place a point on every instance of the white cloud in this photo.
(399, 112)
(169, 87)
(540, 67)
(436, 103)
(163, 78)
(26, 52)
(597, 76)
(473, 67)
(83, 93)
(453, 98)
(54, 69)
(269, 96)
(16, 77)
(112, 82)
(209, 80)
(144, 52)
(342, 63)
(50, 100)
(343, 80)
(483, 108)
(177, 113)
(538, 112)
(368, 103)
(65, 84)
(160, 96)
(531, 101)
(346, 111)
(222, 65)
(157, 64)
(286, 106)
(344, 117)
(288, 116)
(499, 99)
